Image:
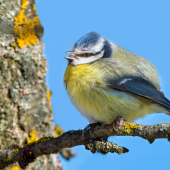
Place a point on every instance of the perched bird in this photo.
(104, 81)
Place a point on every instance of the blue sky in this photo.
(142, 27)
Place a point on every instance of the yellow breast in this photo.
(81, 77)
(82, 82)
(88, 92)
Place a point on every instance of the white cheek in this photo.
(98, 46)
(84, 60)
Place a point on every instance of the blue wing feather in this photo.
(141, 87)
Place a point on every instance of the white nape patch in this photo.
(114, 46)
(85, 60)
(124, 81)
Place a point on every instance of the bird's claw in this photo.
(88, 129)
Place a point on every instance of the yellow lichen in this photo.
(34, 8)
(15, 168)
(15, 150)
(44, 139)
(130, 126)
(14, 45)
(45, 69)
(24, 27)
(20, 19)
(33, 137)
(24, 4)
(37, 21)
(58, 131)
(45, 63)
(49, 94)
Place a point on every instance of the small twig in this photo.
(105, 147)
(88, 137)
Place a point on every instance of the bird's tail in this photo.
(164, 108)
(168, 114)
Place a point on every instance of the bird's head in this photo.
(89, 48)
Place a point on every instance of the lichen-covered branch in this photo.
(90, 137)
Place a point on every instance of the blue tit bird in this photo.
(104, 81)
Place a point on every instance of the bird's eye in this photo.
(87, 55)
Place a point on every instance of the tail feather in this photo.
(167, 114)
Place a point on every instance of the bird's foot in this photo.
(87, 132)
(89, 127)
(92, 125)
(118, 121)
(90, 140)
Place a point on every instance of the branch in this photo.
(90, 137)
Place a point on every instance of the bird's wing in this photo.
(140, 86)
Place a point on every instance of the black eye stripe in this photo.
(107, 50)
(85, 55)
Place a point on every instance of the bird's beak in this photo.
(70, 52)
(71, 57)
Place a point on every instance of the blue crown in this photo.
(88, 39)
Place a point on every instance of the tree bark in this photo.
(25, 111)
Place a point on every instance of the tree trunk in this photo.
(25, 111)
